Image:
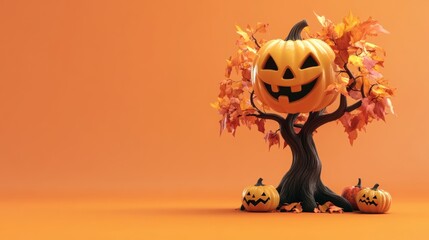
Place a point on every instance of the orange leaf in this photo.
(324, 207)
(335, 209)
(328, 207)
(242, 33)
(292, 207)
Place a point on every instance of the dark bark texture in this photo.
(302, 183)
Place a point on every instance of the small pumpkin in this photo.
(291, 75)
(373, 200)
(350, 193)
(260, 197)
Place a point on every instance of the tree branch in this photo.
(255, 41)
(337, 113)
(252, 102)
(354, 106)
(271, 116)
(350, 74)
(318, 120)
(267, 116)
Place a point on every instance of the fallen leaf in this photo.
(335, 209)
(328, 207)
(291, 207)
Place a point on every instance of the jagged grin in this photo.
(256, 202)
(368, 202)
(287, 91)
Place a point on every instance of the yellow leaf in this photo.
(356, 60)
(350, 22)
(242, 33)
(322, 20)
(339, 29)
(251, 49)
(244, 105)
(345, 80)
(215, 105)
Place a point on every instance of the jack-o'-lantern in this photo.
(373, 200)
(291, 75)
(260, 197)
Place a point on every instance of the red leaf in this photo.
(261, 125)
(272, 138)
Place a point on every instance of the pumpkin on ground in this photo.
(350, 193)
(291, 75)
(260, 197)
(373, 200)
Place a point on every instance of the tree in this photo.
(358, 79)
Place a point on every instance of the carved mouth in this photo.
(368, 202)
(256, 202)
(287, 91)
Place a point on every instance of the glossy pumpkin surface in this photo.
(291, 75)
(260, 197)
(373, 200)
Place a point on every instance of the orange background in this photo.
(110, 100)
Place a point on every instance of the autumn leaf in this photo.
(388, 104)
(363, 81)
(261, 125)
(261, 27)
(356, 60)
(370, 66)
(324, 207)
(335, 209)
(273, 138)
(292, 207)
(322, 20)
(328, 207)
(242, 33)
(350, 22)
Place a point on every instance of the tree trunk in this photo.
(302, 182)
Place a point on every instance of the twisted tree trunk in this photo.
(302, 182)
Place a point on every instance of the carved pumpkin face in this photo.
(373, 200)
(260, 197)
(291, 75)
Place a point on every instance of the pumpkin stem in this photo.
(259, 183)
(295, 32)
(375, 187)
(359, 184)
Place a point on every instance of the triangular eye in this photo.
(309, 62)
(270, 64)
(363, 196)
(375, 197)
(263, 194)
(248, 194)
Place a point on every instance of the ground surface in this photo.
(139, 218)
